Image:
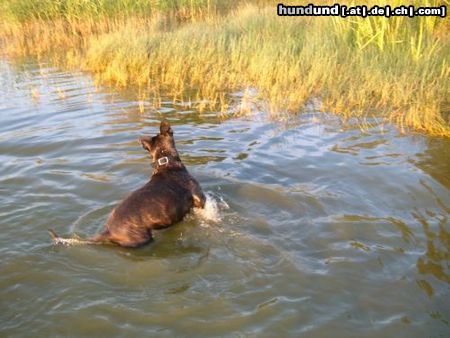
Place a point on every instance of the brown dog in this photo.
(163, 201)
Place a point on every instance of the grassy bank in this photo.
(395, 68)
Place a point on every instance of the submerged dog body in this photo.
(161, 202)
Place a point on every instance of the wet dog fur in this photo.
(161, 202)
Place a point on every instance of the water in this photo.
(313, 228)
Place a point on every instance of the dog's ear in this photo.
(146, 142)
(164, 128)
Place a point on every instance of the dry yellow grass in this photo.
(393, 68)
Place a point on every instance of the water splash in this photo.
(69, 241)
(211, 213)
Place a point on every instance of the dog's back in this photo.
(163, 201)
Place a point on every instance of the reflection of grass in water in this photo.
(436, 258)
(396, 68)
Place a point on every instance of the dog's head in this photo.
(162, 145)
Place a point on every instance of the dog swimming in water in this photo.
(163, 201)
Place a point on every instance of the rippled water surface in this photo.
(314, 229)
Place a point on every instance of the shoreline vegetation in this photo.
(396, 69)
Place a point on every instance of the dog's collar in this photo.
(162, 161)
(167, 162)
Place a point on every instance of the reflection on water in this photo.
(316, 228)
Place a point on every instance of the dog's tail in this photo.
(99, 239)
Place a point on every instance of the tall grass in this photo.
(394, 68)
